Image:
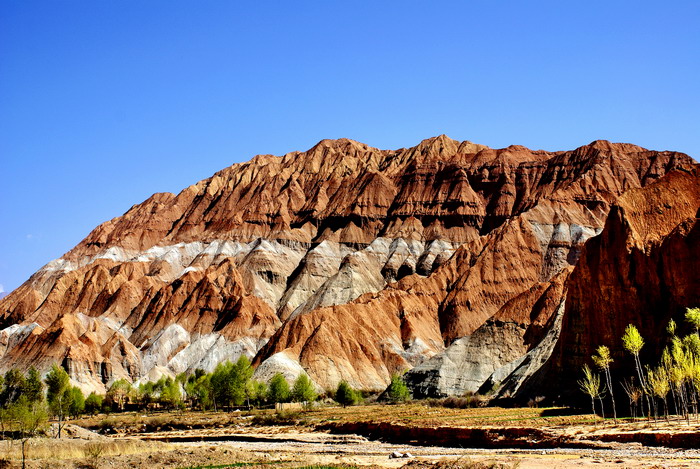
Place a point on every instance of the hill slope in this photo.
(346, 261)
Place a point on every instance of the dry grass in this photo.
(417, 414)
(413, 414)
(51, 449)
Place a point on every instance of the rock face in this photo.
(345, 261)
(642, 270)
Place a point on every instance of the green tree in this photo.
(169, 395)
(198, 389)
(278, 389)
(398, 391)
(345, 395)
(602, 360)
(243, 372)
(145, 394)
(692, 316)
(14, 387)
(93, 404)
(76, 399)
(590, 384)
(659, 386)
(303, 390)
(34, 388)
(30, 418)
(229, 381)
(633, 342)
(222, 385)
(57, 394)
(257, 392)
(119, 392)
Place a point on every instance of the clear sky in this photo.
(103, 103)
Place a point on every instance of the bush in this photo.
(93, 404)
(287, 417)
(345, 395)
(398, 391)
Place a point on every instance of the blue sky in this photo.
(104, 103)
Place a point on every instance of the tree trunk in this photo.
(632, 410)
(24, 453)
(612, 394)
(642, 383)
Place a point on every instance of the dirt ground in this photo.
(207, 440)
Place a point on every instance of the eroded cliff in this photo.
(345, 261)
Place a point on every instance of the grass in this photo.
(54, 450)
(411, 414)
(280, 418)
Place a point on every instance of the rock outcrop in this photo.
(642, 270)
(345, 262)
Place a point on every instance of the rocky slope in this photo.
(345, 261)
(642, 270)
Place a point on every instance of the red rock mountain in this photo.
(642, 270)
(345, 261)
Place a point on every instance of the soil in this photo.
(197, 439)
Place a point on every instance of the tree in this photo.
(145, 395)
(15, 386)
(603, 361)
(671, 328)
(692, 315)
(93, 404)
(278, 389)
(398, 391)
(30, 418)
(76, 404)
(303, 390)
(633, 342)
(167, 391)
(590, 384)
(118, 393)
(634, 394)
(345, 395)
(229, 381)
(57, 387)
(198, 389)
(257, 392)
(34, 388)
(659, 386)
(243, 372)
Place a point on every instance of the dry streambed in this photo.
(526, 438)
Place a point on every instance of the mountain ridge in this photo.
(264, 256)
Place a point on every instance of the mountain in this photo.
(345, 261)
(642, 270)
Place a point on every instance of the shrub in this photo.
(93, 403)
(345, 395)
(398, 391)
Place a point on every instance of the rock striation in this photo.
(344, 262)
(642, 270)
